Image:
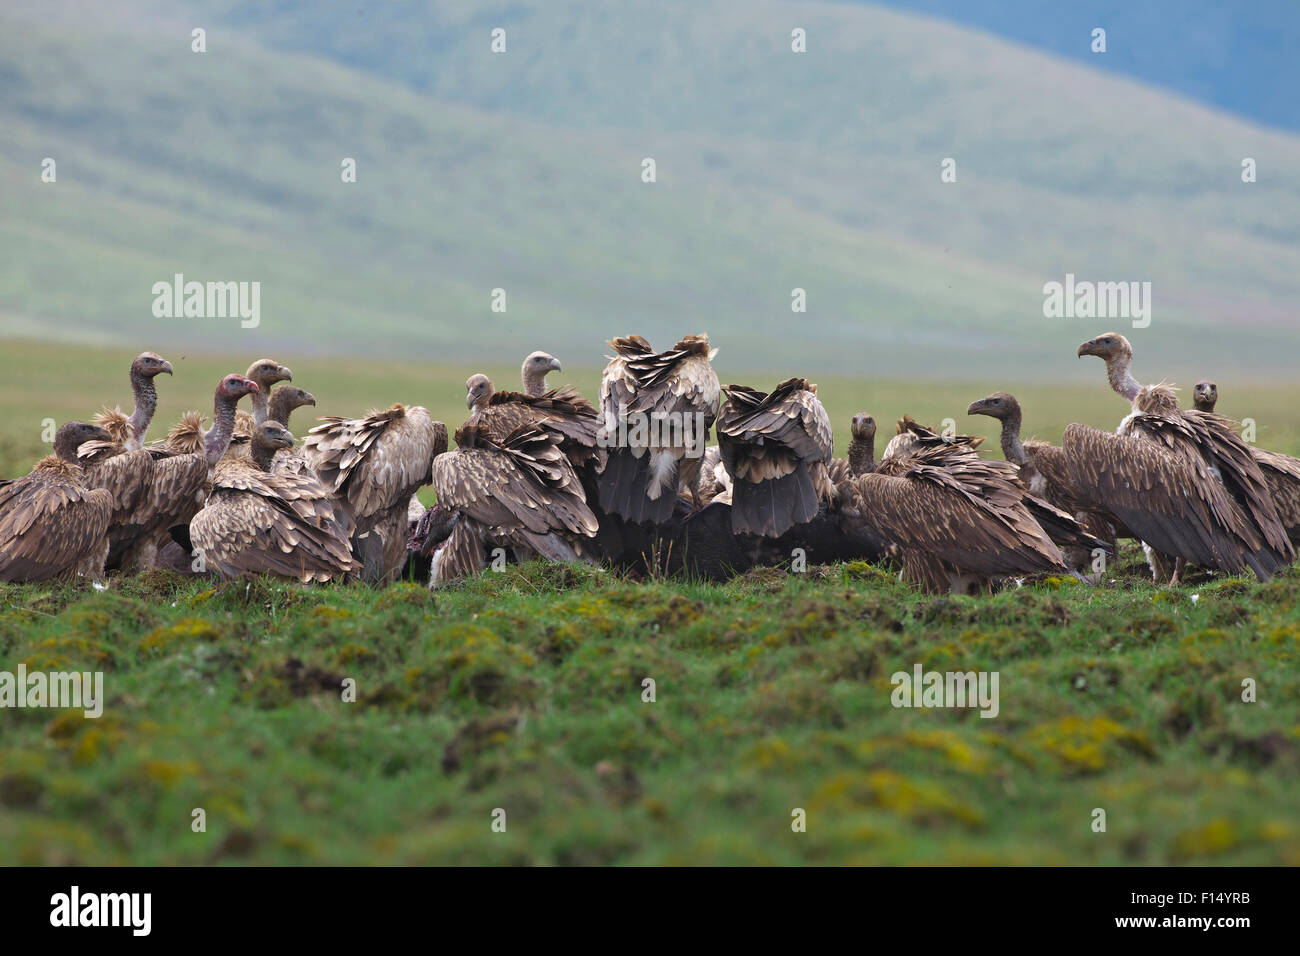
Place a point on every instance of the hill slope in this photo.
(522, 172)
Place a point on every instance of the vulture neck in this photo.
(1012, 449)
(217, 438)
(65, 446)
(534, 383)
(279, 408)
(862, 456)
(262, 455)
(146, 401)
(260, 407)
(1120, 378)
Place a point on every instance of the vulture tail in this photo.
(624, 488)
(775, 505)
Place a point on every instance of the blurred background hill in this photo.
(521, 171)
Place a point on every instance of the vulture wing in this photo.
(287, 525)
(378, 461)
(656, 404)
(946, 503)
(1282, 475)
(776, 447)
(1167, 500)
(49, 522)
(525, 486)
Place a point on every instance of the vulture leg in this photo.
(369, 548)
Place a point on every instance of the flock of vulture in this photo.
(543, 473)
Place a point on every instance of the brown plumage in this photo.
(521, 494)
(51, 522)
(1281, 472)
(376, 463)
(1078, 533)
(262, 522)
(179, 483)
(960, 520)
(776, 446)
(1210, 441)
(561, 410)
(656, 411)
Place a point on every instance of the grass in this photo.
(522, 690)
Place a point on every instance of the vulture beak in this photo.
(1086, 348)
(555, 365)
(469, 399)
(167, 367)
(975, 407)
(284, 370)
(311, 399)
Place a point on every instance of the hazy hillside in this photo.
(522, 171)
(1238, 56)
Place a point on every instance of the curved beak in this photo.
(555, 365)
(469, 399)
(311, 399)
(1086, 348)
(284, 371)
(975, 407)
(167, 367)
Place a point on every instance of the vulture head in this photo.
(272, 436)
(1110, 346)
(535, 369)
(1205, 395)
(148, 365)
(235, 387)
(478, 389)
(73, 435)
(285, 399)
(266, 372)
(863, 427)
(999, 405)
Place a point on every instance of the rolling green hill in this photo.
(522, 171)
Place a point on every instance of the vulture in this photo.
(1051, 503)
(777, 447)
(656, 410)
(51, 522)
(561, 410)
(264, 522)
(1281, 472)
(265, 372)
(862, 445)
(283, 401)
(179, 483)
(121, 466)
(1207, 442)
(127, 432)
(1205, 395)
(376, 463)
(960, 520)
(535, 369)
(521, 493)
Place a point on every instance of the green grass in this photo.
(522, 690)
